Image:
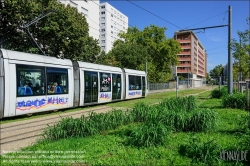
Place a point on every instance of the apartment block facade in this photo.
(112, 21)
(90, 9)
(193, 58)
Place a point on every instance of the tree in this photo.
(151, 45)
(62, 32)
(241, 53)
(216, 71)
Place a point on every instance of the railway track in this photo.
(21, 134)
(24, 133)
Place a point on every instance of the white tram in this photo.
(31, 83)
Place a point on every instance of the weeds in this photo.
(235, 100)
(206, 153)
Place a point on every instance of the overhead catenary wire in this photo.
(154, 14)
(206, 19)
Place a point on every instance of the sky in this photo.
(177, 15)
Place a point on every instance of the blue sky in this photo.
(178, 15)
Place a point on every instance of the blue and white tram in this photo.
(32, 83)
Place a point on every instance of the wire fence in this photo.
(181, 85)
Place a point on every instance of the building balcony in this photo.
(184, 65)
(184, 41)
(185, 53)
(182, 71)
(184, 59)
(186, 47)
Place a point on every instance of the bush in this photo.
(216, 93)
(235, 100)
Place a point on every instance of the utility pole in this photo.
(177, 80)
(230, 65)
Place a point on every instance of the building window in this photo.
(111, 15)
(84, 11)
(103, 47)
(103, 30)
(111, 26)
(102, 24)
(102, 12)
(103, 7)
(102, 35)
(112, 32)
(102, 18)
(103, 41)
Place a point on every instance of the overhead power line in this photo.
(207, 19)
(154, 14)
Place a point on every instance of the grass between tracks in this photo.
(144, 142)
(151, 98)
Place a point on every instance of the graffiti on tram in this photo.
(41, 103)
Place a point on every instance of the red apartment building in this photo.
(193, 58)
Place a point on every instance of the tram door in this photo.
(143, 86)
(90, 87)
(116, 86)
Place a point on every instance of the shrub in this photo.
(216, 93)
(235, 100)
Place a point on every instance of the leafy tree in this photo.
(241, 53)
(62, 32)
(151, 45)
(216, 71)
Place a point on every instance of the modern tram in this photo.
(31, 83)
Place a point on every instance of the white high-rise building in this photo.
(90, 9)
(112, 21)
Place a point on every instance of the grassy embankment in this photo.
(176, 132)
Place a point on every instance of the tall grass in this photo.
(148, 134)
(207, 153)
(235, 100)
(176, 114)
(180, 103)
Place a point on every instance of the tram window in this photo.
(30, 80)
(57, 80)
(105, 82)
(131, 82)
(138, 83)
(134, 82)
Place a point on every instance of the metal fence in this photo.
(172, 85)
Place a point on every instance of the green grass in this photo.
(113, 147)
(150, 99)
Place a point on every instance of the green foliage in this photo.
(149, 45)
(207, 153)
(64, 32)
(216, 93)
(87, 126)
(241, 51)
(216, 71)
(201, 120)
(235, 100)
(148, 134)
(180, 103)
